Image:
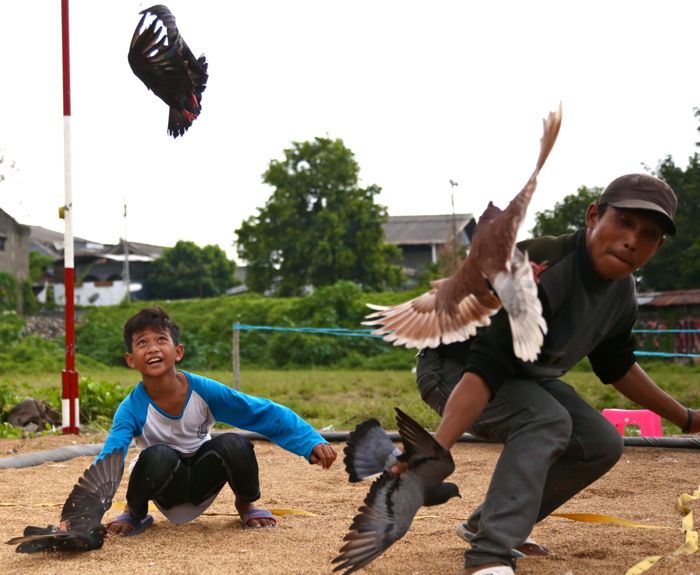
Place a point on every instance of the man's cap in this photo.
(643, 192)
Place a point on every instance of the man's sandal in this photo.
(528, 548)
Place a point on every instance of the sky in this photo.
(421, 92)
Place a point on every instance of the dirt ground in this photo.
(643, 487)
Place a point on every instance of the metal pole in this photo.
(236, 354)
(127, 273)
(69, 377)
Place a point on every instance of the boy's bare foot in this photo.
(252, 516)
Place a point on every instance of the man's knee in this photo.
(603, 445)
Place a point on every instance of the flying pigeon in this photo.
(82, 512)
(164, 62)
(495, 274)
(393, 500)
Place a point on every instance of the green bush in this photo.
(8, 291)
(11, 326)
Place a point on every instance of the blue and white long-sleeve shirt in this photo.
(208, 401)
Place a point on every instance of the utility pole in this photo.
(453, 185)
(69, 377)
(127, 274)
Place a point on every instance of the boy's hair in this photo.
(150, 318)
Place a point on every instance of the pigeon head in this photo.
(440, 494)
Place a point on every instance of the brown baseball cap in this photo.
(643, 192)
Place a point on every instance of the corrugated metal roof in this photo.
(411, 230)
(667, 298)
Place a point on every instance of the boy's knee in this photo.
(234, 445)
(158, 455)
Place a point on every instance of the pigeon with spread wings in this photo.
(82, 512)
(393, 500)
(162, 60)
(495, 274)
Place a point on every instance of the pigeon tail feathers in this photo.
(369, 451)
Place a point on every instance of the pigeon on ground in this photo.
(164, 62)
(393, 500)
(82, 512)
(495, 274)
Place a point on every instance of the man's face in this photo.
(153, 352)
(621, 241)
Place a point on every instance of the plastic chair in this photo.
(648, 422)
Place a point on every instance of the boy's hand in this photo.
(324, 455)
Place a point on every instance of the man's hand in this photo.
(399, 467)
(324, 455)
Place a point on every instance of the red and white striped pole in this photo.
(69, 377)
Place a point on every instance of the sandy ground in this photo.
(643, 487)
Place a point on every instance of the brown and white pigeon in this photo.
(162, 60)
(495, 274)
(87, 503)
(393, 500)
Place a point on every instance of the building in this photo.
(100, 269)
(14, 247)
(421, 238)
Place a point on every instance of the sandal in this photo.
(257, 513)
(137, 525)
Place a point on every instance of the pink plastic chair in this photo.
(648, 422)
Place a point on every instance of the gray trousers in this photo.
(554, 445)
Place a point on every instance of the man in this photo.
(555, 444)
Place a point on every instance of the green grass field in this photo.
(343, 398)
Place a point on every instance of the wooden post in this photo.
(236, 356)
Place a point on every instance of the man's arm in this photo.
(466, 402)
(640, 388)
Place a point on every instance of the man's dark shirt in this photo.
(586, 316)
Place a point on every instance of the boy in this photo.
(555, 444)
(170, 413)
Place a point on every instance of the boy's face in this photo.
(153, 352)
(621, 241)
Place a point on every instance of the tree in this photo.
(318, 226)
(677, 264)
(568, 215)
(186, 270)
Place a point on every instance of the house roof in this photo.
(666, 298)
(52, 243)
(412, 230)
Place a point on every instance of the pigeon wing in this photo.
(517, 290)
(503, 228)
(385, 517)
(161, 59)
(92, 496)
(369, 451)
(425, 456)
(420, 322)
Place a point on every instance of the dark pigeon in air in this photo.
(393, 500)
(87, 503)
(162, 60)
(495, 274)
